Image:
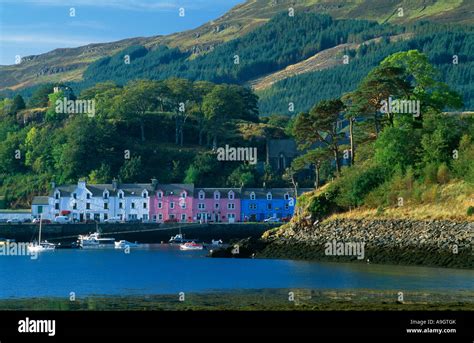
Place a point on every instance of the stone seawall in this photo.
(145, 233)
(428, 243)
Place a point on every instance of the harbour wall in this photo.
(143, 233)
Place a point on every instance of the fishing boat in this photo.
(124, 244)
(191, 246)
(95, 241)
(40, 246)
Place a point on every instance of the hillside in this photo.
(69, 64)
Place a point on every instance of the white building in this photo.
(40, 206)
(99, 202)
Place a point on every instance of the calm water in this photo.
(165, 270)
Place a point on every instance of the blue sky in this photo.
(31, 27)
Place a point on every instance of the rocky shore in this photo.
(406, 242)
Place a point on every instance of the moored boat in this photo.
(95, 241)
(191, 246)
(123, 244)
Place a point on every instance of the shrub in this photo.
(442, 175)
(430, 173)
(470, 211)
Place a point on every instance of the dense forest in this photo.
(162, 115)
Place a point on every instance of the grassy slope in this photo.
(70, 63)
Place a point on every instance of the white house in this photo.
(99, 202)
(40, 207)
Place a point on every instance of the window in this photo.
(269, 196)
(145, 217)
(74, 206)
(88, 206)
(171, 216)
(106, 206)
(287, 196)
(201, 206)
(88, 216)
(106, 216)
(120, 204)
(269, 206)
(106, 195)
(88, 196)
(201, 195)
(217, 195)
(74, 195)
(216, 206)
(160, 195)
(144, 205)
(56, 196)
(144, 195)
(120, 195)
(230, 206)
(183, 205)
(183, 195)
(287, 207)
(183, 217)
(160, 205)
(132, 205)
(230, 215)
(253, 206)
(172, 205)
(160, 216)
(252, 196)
(56, 206)
(231, 195)
(40, 209)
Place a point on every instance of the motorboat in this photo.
(191, 246)
(123, 244)
(95, 241)
(217, 243)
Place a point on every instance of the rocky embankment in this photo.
(409, 242)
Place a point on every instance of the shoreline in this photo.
(300, 299)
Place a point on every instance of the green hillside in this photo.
(69, 64)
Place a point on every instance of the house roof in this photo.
(40, 200)
(277, 193)
(176, 188)
(209, 192)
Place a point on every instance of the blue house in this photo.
(258, 204)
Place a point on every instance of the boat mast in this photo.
(41, 222)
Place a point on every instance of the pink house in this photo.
(217, 204)
(172, 202)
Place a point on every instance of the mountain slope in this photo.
(69, 64)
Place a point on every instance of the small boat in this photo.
(43, 246)
(95, 241)
(191, 246)
(124, 244)
(40, 246)
(219, 242)
(179, 239)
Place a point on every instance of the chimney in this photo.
(81, 184)
(115, 184)
(154, 183)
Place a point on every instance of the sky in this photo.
(31, 27)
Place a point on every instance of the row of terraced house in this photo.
(155, 202)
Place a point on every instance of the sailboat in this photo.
(41, 246)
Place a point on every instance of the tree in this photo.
(137, 98)
(320, 126)
(180, 97)
(18, 104)
(40, 96)
(131, 169)
(314, 157)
